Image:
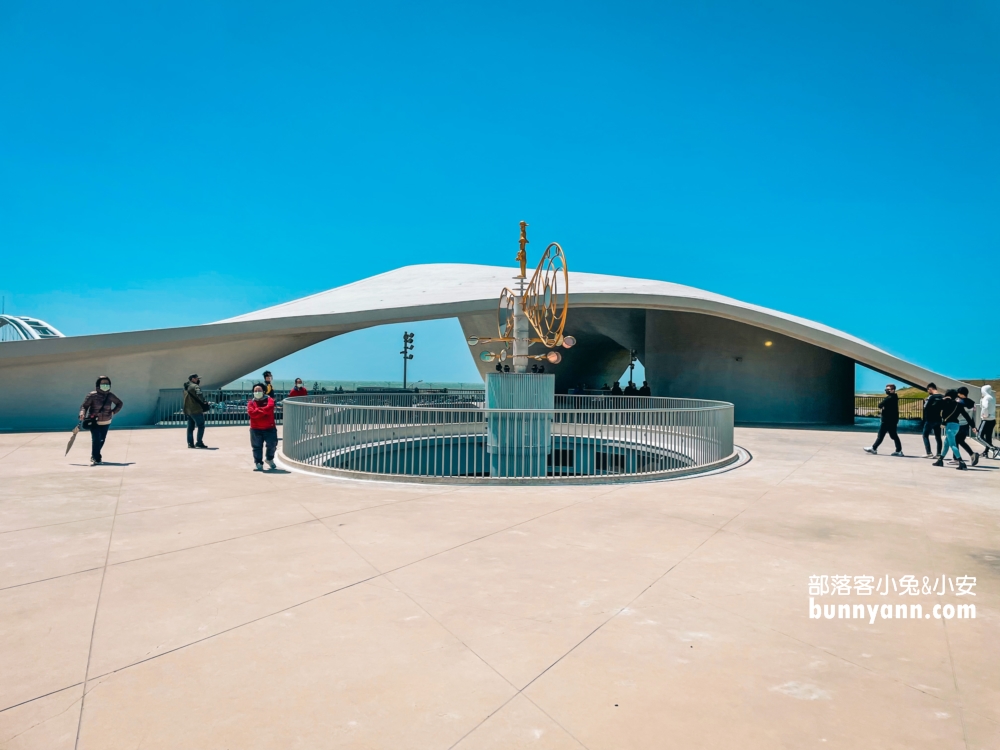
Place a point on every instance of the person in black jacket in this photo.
(195, 407)
(932, 420)
(952, 411)
(889, 407)
(964, 426)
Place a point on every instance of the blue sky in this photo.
(177, 163)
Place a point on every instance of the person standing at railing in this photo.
(966, 424)
(263, 431)
(616, 389)
(932, 420)
(889, 421)
(952, 414)
(987, 413)
(96, 413)
(195, 406)
(299, 389)
(645, 390)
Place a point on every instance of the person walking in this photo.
(987, 413)
(645, 389)
(262, 428)
(631, 390)
(299, 389)
(932, 420)
(195, 406)
(96, 413)
(889, 407)
(951, 409)
(616, 389)
(965, 424)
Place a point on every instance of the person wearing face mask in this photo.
(97, 410)
(263, 431)
(889, 408)
(299, 389)
(195, 406)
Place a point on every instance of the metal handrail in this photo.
(469, 443)
(909, 408)
(228, 406)
(478, 397)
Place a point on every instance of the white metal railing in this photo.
(455, 440)
(229, 406)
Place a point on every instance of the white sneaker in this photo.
(258, 467)
(270, 464)
(897, 453)
(930, 455)
(872, 451)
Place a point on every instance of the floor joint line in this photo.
(100, 591)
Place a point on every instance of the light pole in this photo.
(631, 365)
(407, 346)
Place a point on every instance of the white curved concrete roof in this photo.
(225, 350)
(459, 284)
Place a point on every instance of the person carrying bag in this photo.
(96, 413)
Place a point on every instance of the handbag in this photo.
(90, 423)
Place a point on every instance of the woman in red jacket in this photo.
(262, 429)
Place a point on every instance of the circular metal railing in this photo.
(453, 438)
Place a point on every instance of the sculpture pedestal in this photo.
(519, 441)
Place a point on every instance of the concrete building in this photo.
(776, 368)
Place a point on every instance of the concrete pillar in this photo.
(690, 355)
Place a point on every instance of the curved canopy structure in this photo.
(23, 328)
(775, 367)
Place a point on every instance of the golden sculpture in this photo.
(541, 305)
(544, 304)
(522, 254)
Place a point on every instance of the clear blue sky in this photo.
(166, 164)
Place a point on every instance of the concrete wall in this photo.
(604, 338)
(691, 355)
(790, 382)
(46, 395)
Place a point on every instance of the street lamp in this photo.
(407, 346)
(631, 365)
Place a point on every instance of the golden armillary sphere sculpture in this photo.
(541, 304)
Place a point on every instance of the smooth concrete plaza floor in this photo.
(175, 599)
